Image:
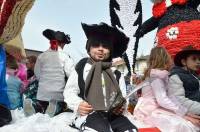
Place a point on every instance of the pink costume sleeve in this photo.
(22, 75)
(159, 90)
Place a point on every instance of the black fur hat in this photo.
(57, 35)
(107, 35)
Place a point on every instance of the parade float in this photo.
(126, 15)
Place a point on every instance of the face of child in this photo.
(192, 62)
(136, 79)
(28, 64)
(99, 52)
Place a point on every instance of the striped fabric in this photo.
(12, 16)
(15, 48)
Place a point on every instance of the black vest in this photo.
(81, 83)
(190, 83)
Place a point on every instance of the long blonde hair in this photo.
(159, 59)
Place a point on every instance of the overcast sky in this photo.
(66, 16)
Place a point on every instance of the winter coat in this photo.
(185, 86)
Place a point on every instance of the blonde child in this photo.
(155, 107)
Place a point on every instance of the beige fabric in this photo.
(15, 20)
(15, 47)
(118, 61)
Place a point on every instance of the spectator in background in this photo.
(30, 64)
(32, 87)
(22, 75)
(14, 84)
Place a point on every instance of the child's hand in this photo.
(193, 116)
(84, 108)
(193, 120)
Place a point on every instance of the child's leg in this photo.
(96, 122)
(120, 123)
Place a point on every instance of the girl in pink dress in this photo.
(155, 107)
(22, 75)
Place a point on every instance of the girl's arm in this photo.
(163, 100)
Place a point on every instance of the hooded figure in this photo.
(93, 89)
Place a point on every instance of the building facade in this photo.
(141, 64)
(30, 52)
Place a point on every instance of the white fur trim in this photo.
(168, 3)
(172, 33)
(88, 129)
